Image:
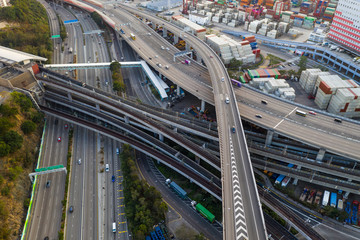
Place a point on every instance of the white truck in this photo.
(70, 50)
(326, 197)
(340, 204)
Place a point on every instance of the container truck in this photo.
(311, 196)
(303, 195)
(333, 199)
(285, 182)
(326, 197)
(176, 188)
(318, 197)
(203, 211)
(279, 179)
(340, 205)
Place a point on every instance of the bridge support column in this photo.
(197, 159)
(126, 119)
(176, 39)
(175, 129)
(269, 136)
(320, 155)
(164, 32)
(161, 137)
(98, 107)
(202, 106)
(296, 179)
(69, 96)
(187, 47)
(178, 90)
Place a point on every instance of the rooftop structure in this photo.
(11, 56)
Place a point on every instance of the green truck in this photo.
(203, 211)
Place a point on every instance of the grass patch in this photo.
(274, 59)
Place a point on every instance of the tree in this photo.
(28, 127)
(98, 19)
(115, 66)
(7, 111)
(4, 149)
(235, 64)
(5, 125)
(14, 140)
(22, 100)
(37, 117)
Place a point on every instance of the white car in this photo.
(79, 161)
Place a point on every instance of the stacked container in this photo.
(254, 26)
(309, 22)
(278, 8)
(299, 20)
(286, 16)
(272, 34)
(329, 14)
(305, 75)
(274, 84)
(296, 3)
(259, 82)
(328, 85)
(264, 73)
(346, 102)
(306, 7)
(320, 8)
(311, 81)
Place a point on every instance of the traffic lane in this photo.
(47, 209)
(176, 203)
(74, 220)
(282, 108)
(89, 207)
(302, 132)
(250, 199)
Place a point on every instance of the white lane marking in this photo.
(285, 117)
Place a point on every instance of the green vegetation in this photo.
(63, 33)
(143, 205)
(235, 64)
(28, 28)
(98, 19)
(20, 127)
(334, 213)
(118, 81)
(28, 127)
(154, 92)
(302, 65)
(67, 181)
(274, 59)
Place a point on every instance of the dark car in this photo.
(258, 116)
(113, 178)
(71, 209)
(48, 183)
(264, 102)
(233, 129)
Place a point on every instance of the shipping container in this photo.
(326, 197)
(206, 213)
(178, 189)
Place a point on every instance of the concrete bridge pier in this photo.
(176, 39)
(197, 159)
(175, 129)
(187, 46)
(126, 119)
(202, 106)
(98, 107)
(320, 155)
(296, 179)
(178, 90)
(69, 96)
(164, 32)
(161, 137)
(269, 137)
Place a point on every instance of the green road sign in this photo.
(48, 168)
(55, 36)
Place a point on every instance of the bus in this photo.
(236, 83)
(279, 179)
(132, 36)
(301, 113)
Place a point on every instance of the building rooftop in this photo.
(12, 56)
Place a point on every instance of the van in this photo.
(338, 120)
(114, 227)
(227, 101)
(117, 151)
(107, 167)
